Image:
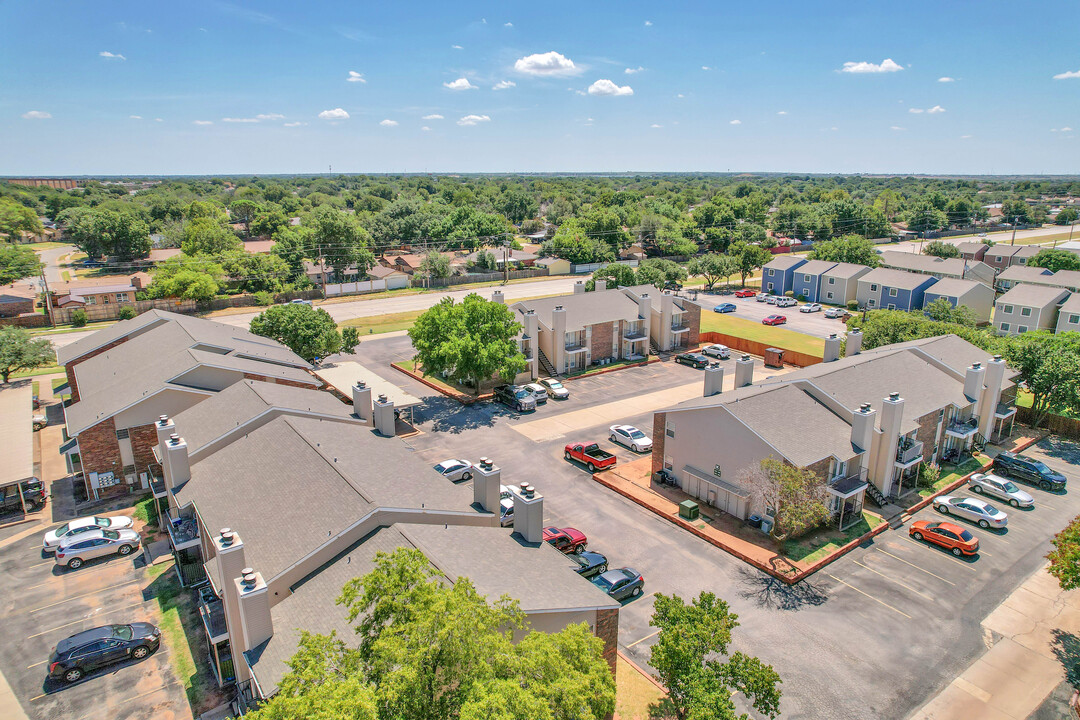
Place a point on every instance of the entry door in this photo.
(712, 498)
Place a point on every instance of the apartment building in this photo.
(1003, 257)
(675, 322)
(976, 296)
(888, 289)
(940, 268)
(1028, 307)
(1015, 275)
(778, 275)
(972, 250)
(1068, 318)
(806, 281)
(840, 283)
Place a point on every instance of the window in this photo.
(771, 272)
(892, 292)
(1074, 319)
(1025, 312)
(828, 295)
(1004, 327)
(806, 278)
(669, 431)
(873, 288)
(832, 281)
(997, 259)
(871, 302)
(1021, 328)
(122, 434)
(892, 306)
(770, 287)
(716, 471)
(91, 300)
(121, 297)
(1007, 309)
(104, 299)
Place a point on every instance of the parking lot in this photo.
(43, 604)
(873, 635)
(815, 324)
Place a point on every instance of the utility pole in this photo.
(506, 260)
(48, 297)
(322, 272)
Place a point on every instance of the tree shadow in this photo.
(662, 709)
(771, 593)
(448, 415)
(1066, 647)
(1061, 449)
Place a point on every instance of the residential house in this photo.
(554, 265)
(1001, 257)
(840, 283)
(972, 250)
(259, 246)
(777, 275)
(394, 278)
(863, 423)
(17, 299)
(81, 294)
(938, 267)
(1069, 315)
(1068, 279)
(884, 288)
(1022, 274)
(517, 258)
(976, 296)
(322, 274)
(160, 255)
(807, 279)
(1028, 307)
(349, 493)
(675, 322)
(125, 376)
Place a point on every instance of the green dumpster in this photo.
(688, 510)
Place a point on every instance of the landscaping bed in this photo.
(459, 393)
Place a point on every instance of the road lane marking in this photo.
(949, 556)
(78, 597)
(917, 567)
(894, 580)
(642, 639)
(901, 612)
(29, 667)
(76, 622)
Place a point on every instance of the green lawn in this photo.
(37, 388)
(391, 322)
(63, 331)
(49, 245)
(39, 371)
(815, 546)
(956, 472)
(1024, 399)
(177, 606)
(635, 697)
(147, 511)
(751, 330)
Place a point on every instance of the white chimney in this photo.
(558, 332)
(361, 401)
(165, 427)
(579, 287)
(667, 312)
(862, 432)
(832, 348)
(257, 624)
(528, 513)
(973, 383)
(892, 414)
(385, 423)
(178, 463)
(497, 296)
(744, 371)
(644, 310)
(995, 378)
(532, 333)
(854, 343)
(714, 379)
(486, 481)
(601, 285)
(229, 556)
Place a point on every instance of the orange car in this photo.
(952, 537)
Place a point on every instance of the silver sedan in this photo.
(95, 544)
(455, 470)
(978, 511)
(1000, 488)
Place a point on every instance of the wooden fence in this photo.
(1056, 424)
(420, 281)
(742, 345)
(62, 316)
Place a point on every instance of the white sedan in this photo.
(810, 307)
(717, 351)
(631, 437)
(75, 528)
(455, 469)
(979, 511)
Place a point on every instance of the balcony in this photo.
(908, 452)
(680, 328)
(575, 348)
(212, 612)
(183, 531)
(962, 429)
(634, 336)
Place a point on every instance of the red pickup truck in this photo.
(590, 454)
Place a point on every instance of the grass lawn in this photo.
(39, 371)
(57, 382)
(956, 472)
(751, 330)
(177, 607)
(635, 697)
(146, 510)
(65, 275)
(36, 387)
(411, 367)
(391, 322)
(49, 245)
(88, 327)
(811, 548)
(1024, 399)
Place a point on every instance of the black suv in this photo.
(33, 493)
(1027, 470)
(516, 397)
(79, 654)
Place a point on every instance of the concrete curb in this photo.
(610, 370)
(460, 397)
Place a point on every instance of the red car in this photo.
(774, 320)
(745, 293)
(568, 540)
(952, 537)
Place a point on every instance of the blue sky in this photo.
(161, 88)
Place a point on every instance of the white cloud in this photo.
(432, 117)
(1062, 129)
(135, 117)
(935, 110)
(355, 77)
(504, 85)
(648, 23)
(631, 71)
(735, 122)
(834, 128)
(456, 47)
(239, 120)
(111, 56)
(946, 79)
(508, 24)
(295, 124)
(915, 110)
(549, 64)
(680, 96)
(158, 120)
(470, 120)
(887, 66)
(966, 137)
(202, 122)
(335, 114)
(706, 67)
(1070, 75)
(654, 125)
(606, 87)
(36, 115)
(897, 127)
(782, 112)
(459, 84)
(270, 116)
(388, 123)
(425, 128)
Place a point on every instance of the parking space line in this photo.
(947, 557)
(1048, 507)
(893, 580)
(76, 622)
(78, 597)
(642, 639)
(84, 570)
(917, 567)
(30, 667)
(901, 612)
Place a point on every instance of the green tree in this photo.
(1067, 216)
(748, 258)
(885, 327)
(713, 267)
(516, 205)
(943, 311)
(1055, 259)
(1065, 557)
(888, 202)
(660, 273)
(127, 312)
(19, 350)
(796, 495)
(340, 240)
(849, 248)
(17, 262)
(1049, 367)
(269, 221)
(350, 338)
(308, 331)
(186, 278)
(571, 243)
(16, 218)
(485, 260)
(107, 232)
(469, 342)
(78, 318)
(244, 211)
(941, 249)
(435, 265)
(209, 236)
(615, 274)
(294, 245)
(924, 217)
(691, 656)
(254, 272)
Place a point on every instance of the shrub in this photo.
(853, 305)
(801, 298)
(264, 298)
(929, 473)
(790, 294)
(127, 313)
(78, 318)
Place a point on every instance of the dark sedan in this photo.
(724, 308)
(72, 658)
(620, 584)
(694, 360)
(589, 563)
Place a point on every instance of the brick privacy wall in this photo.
(927, 433)
(601, 341)
(659, 441)
(820, 468)
(100, 452)
(607, 629)
(282, 381)
(69, 369)
(143, 440)
(25, 320)
(692, 317)
(17, 307)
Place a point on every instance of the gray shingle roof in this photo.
(1033, 295)
(900, 279)
(972, 248)
(815, 267)
(845, 270)
(784, 262)
(1072, 305)
(1024, 273)
(582, 309)
(655, 294)
(924, 263)
(953, 287)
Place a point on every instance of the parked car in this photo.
(717, 351)
(724, 308)
(539, 392)
(631, 437)
(298, 301)
(836, 312)
(694, 360)
(589, 563)
(978, 511)
(506, 511)
(952, 537)
(762, 297)
(516, 397)
(555, 389)
(40, 422)
(567, 540)
(455, 470)
(590, 454)
(620, 584)
(771, 299)
(774, 320)
(1000, 488)
(76, 528)
(37, 402)
(786, 302)
(1025, 469)
(810, 308)
(33, 494)
(94, 544)
(77, 655)
(745, 293)
(92, 263)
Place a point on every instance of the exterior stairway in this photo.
(545, 364)
(874, 494)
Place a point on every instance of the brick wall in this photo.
(283, 381)
(692, 317)
(17, 307)
(927, 434)
(659, 441)
(821, 468)
(601, 341)
(100, 452)
(607, 629)
(143, 439)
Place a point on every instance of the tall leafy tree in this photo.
(660, 273)
(308, 331)
(797, 495)
(19, 350)
(1065, 557)
(941, 249)
(849, 248)
(615, 274)
(943, 311)
(1067, 216)
(885, 327)
(244, 211)
(748, 258)
(16, 218)
(210, 237)
(1049, 367)
(1055, 259)
(107, 232)
(713, 267)
(340, 240)
(17, 262)
(294, 245)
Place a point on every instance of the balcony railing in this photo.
(212, 612)
(962, 428)
(183, 530)
(681, 327)
(634, 335)
(908, 451)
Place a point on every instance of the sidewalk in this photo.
(1039, 630)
